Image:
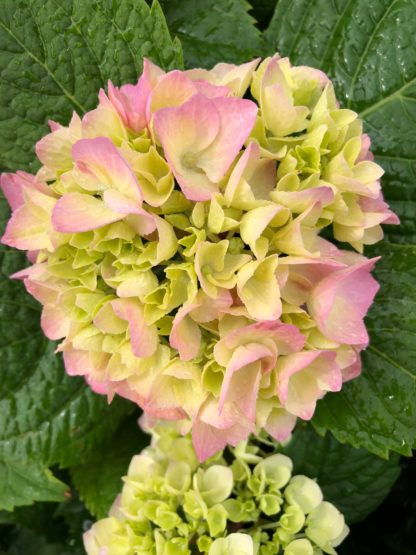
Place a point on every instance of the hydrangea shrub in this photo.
(180, 240)
(239, 502)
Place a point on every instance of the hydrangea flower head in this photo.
(239, 502)
(175, 239)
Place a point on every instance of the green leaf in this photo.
(99, 479)
(46, 417)
(213, 32)
(24, 481)
(355, 481)
(378, 410)
(367, 47)
(56, 54)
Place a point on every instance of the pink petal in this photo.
(100, 158)
(116, 201)
(54, 323)
(130, 102)
(14, 184)
(304, 377)
(77, 363)
(144, 338)
(185, 335)
(237, 117)
(280, 424)
(288, 338)
(184, 132)
(172, 89)
(211, 432)
(75, 212)
(209, 90)
(340, 301)
(242, 357)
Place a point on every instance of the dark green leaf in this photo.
(378, 410)
(367, 47)
(212, 32)
(56, 54)
(26, 542)
(60, 525)
(352, 479)
(99, 479)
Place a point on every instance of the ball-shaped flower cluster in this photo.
(239, 502)
(174, 233)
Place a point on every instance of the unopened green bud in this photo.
(234, 544)
(214, 484)
(304, 492)
(276, 470)
(299, 547)
(292, 520)
(326, 527)
(270, 503)
(217, 520)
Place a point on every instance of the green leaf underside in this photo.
(99, 479)
(56, 54)
(367, 48)
(46, 417)
(378, 409)
(354, 480)
(213, 32)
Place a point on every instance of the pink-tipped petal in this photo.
(75, 212)
(77, 363)
(54, 323)
(237, 117)
(340, 301)
(184, 132)
(303, 377)
(100, 159)
(211, 431)
(185, 335)
(144, 338)
(242, 357)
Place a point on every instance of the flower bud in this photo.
(276, 470)
(304, 492)
(292, 520)
(214, 484)
(167, 506)
(234, 544)
(299, 547)
(326, 527)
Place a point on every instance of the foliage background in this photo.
(62, 449)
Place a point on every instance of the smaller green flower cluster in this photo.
(240, 502)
